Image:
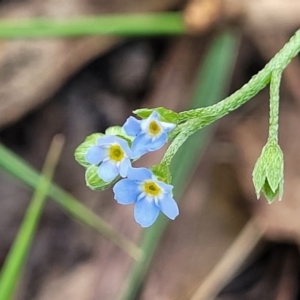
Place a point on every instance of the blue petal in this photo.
(141, 140)
(145, 212)
(154, 116)
(124, 166)
(106, 140)
(108, 171)
(139, 174)
(158, 143)
(145, 123)
(167, 126)
(95, 155)
(132, 126)
(124, 146)
(169, 207)
(126, 191)
(140, 146)
(139, 152)
(166, 187)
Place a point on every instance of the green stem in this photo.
(198, 118)
(274, 104)
(123, 25)
(249, 90)
(182, 136)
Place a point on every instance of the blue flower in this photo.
(149, 194)
(114, 155)
(150, 134)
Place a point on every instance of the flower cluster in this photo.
(108, 157)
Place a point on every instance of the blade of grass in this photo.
(19, 169)
(122, 25)
(17, 256)
(211, 86)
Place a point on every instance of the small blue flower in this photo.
(149, 194)
(150, 134)
(114, 155)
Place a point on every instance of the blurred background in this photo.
(225, 244)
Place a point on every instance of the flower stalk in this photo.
(268, 171)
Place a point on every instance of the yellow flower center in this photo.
(116, 153)
(151, 188)
(154, 128)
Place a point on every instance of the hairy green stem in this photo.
(186, 130)
(274, 104)
(198, 118)
(250, 89)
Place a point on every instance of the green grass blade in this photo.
(17, 256)
(212, 83)
(15, 166)
(122, 25)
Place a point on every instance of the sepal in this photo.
(166, 115)
(82, 149)
(268, 172)
(93, 181)
(119, 131)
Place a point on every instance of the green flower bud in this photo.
(268, 172)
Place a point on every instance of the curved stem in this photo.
(250, 89)
(196, 119)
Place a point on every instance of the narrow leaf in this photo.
(17, 256)
(120, 25)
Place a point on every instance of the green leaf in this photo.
(82, 149)
(114, 25)
(166, 115)
(93, 181)
(17, 256)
